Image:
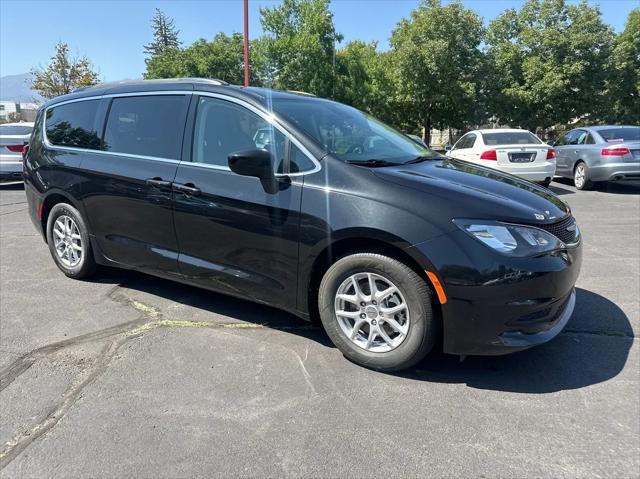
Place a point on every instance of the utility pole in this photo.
(246, 42)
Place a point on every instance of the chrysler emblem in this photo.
(539, 216)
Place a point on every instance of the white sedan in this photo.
(13, 138)
(518, 152)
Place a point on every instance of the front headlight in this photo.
(512, 240)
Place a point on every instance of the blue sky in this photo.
(112, 33)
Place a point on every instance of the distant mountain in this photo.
(17, 88)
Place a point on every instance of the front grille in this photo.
(559, 230)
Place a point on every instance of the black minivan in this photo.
(307, 205)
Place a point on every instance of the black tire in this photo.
(586, 183)
(422, 332)
(546, 183)
(86, 265)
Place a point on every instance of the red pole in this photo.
(246, 42)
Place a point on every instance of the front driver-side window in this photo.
(223, 127)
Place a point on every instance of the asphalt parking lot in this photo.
(128, 375)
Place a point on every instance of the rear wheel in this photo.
(377, 311)
(581, 177)
(546, 182)
(68, 240)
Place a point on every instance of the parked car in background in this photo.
(599, 153)
(394, 247)
(514, 151)
(13, 139)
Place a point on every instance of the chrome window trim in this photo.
(270, 118)
(50, 145)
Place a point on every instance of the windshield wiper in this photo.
(372, 162)
(420, 159)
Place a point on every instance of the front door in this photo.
(127, 192)
(235, 234)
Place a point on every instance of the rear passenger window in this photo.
(146, 125)
(73, 124)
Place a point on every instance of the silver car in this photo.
(599, 153)
(13, 138)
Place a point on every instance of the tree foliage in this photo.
(548, 63)
(437, 57)
(221, 58)
(64, 74)
(624, 78)
(298, 51)
(165, 35)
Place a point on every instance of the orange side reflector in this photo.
(438, 287)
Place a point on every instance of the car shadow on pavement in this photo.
(614, 187)
(231, 308)
(12, 185)
(593, 348)
(560, 189)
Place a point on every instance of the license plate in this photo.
(521, 157)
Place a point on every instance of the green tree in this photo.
(221, 58)
(165, 35)
(437, 57)
(64, 74)
(548, 63)
(298, 51)
(624, 75)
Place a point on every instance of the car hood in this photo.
(460, 189)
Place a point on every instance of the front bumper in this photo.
(615, 171)
(497, 304)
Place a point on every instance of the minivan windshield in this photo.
(349, 134)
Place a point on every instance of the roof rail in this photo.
(300, 92)
(213, 81)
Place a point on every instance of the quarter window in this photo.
(223, 127)
(146, 125)
(73, 124)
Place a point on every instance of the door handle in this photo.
(187, 188)
(158, 182)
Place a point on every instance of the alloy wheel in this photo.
(372, 312)
(67, 241)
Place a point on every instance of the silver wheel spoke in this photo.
(385, 337)
(356, 328)
(395, 325)
(350, 298)
(372, 335)
(356, 288)
(380, 295)
(393, 309)
(348, 314)
(372, 286)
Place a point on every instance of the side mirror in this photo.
(447, 148)
(256, 162)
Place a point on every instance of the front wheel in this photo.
(377, 311)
